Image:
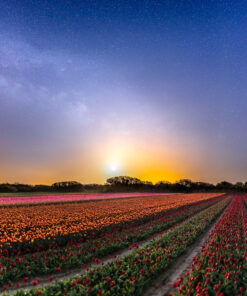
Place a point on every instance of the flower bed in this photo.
(34, 227)
(131, 274)
(221, 267)
(46, 198)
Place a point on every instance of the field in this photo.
(124, 245)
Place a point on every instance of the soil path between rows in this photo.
(76, 272)
(163, 286)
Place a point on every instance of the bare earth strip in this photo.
(164, 283)
(76, 272)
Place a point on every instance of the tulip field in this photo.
(8, 200)
(41, 242)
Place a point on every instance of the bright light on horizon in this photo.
(114, 168)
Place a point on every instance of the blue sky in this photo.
(154, 88)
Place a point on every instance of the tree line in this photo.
(127, 184)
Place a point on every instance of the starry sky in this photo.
(151, 89)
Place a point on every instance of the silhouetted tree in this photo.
(123, 180)
(68, 186)
(126, 183)
(163, 186)
(225, 186)
(7, 188)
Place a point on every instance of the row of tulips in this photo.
(15, 200)
(131, 274)
(18, 268)
(35, 228)
(244, 196)
(221, 267)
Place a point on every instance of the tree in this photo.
(123, 180)
(7, 188)
(68, 186)
(225, 186)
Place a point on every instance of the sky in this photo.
(150, 89)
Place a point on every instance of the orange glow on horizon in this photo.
(157, 175)
(148, 161)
